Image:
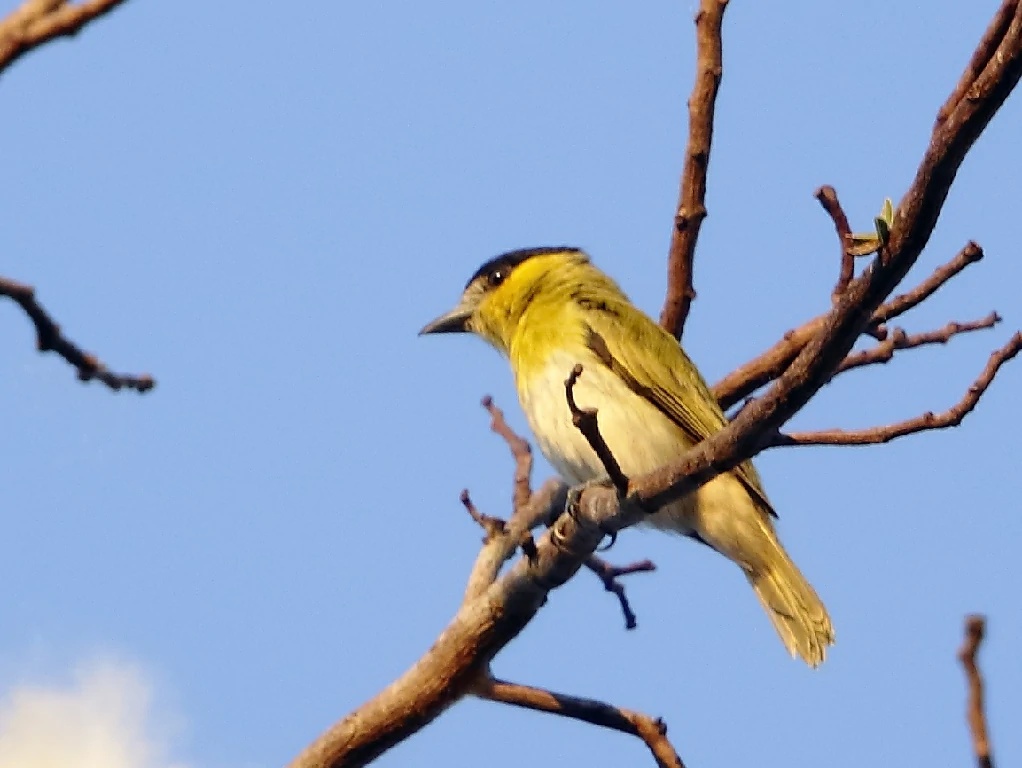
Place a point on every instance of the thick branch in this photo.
(975, 627)
(746, 379)
(692, 196)
(652, 731)
(50, 339)
(952, 417)
(38, 21)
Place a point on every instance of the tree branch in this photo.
(766, 367)
(692, 196)
(827, 196)
(927, 421)
(487, 623)
(586, 422)
(898, 340)
(652, 731)
(975, 627)
(609, 574)
(50, 339)
(38, 21)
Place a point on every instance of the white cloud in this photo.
(103, 719)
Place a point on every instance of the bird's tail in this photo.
(793, 606)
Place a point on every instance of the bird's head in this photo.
(501, 290)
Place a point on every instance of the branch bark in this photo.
(36, 22)
(692, 196)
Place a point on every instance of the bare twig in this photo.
(760, 371)
(902, 303)
(521, 452)
(586, 422)
(692, 196)
(609, 575)
(492, 526)
(50, 339)
(38, 21)
(927, 421)
(827, 196)
(652, 731)
(975, 627)
(898, 339)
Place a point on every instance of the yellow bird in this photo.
(547, 309)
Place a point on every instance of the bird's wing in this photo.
(675, 388)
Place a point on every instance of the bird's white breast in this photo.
(641, 438)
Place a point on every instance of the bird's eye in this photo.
(497, 277)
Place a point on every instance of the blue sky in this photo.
(262, 206)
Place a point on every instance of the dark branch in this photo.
(652, 731)
(975, 627)
(609, 575)
(692, 196)
(586, 422)
(50, 339)
(38, 21)
(898, 340)
(927, 421)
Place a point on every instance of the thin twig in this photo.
(975, 627)
(827, 196)
(692, 195)
(898, 339)
(996, 31)
(902, 303)
(651, 730)
(609, 575)
(50, 339)
(521, 452)
(766, 367)
(586, 422)
(927, 421)
(493, 526)
(38, 21)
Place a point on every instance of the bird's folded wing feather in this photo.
(674, 387)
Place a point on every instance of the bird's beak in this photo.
(455, 321)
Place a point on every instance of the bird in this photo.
(549, 309)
